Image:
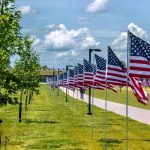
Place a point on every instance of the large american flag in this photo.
(116, 73)
(139, 57)
(100, 77)
(138, 91)
(117, 66)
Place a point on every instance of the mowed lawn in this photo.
(120, 97)
(53, 124)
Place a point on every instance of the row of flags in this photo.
(111, 72)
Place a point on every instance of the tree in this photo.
(27, 71)
(10, 39)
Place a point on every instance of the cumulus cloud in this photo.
(36, 40)
(97, 6)
(61, 44)
(50, 26)
(66, 53)
(120, 43)
(63, 39)
(26, 9)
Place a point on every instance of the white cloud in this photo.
(26, 9)
(97, 6)
(120, 43)
(36, 40)
(89, 42)
(137, 30)
(66, 54)
(63, 46)
(65, 39)
(50, 26)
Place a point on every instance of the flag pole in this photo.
(93, 103)
(127, 89)
(105, 115)
(73, 93)
(77, 95)
(83, 120)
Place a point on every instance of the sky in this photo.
(64, 30)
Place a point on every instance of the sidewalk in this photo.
(134, 113)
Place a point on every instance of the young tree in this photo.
(27, 71)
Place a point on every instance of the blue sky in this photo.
(64, 30)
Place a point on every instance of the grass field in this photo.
(120, 97)
(53, 124)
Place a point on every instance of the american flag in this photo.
(71, 79)
(139, 57)
(117, 66)
(88, 73)
(138, 91)
(75, 76)
(100, 77)
(80, 75)
(116, 73)
(60, 79)
(65, 84)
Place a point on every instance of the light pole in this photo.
(89, 105)
(67, 67)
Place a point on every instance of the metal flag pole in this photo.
(127, 85)
(73, 94)
(93, 112)
(105, 114)
(93, 102)
(83, 119)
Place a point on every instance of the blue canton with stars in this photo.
(79, 68)
(75, 70)
(65, 75)
(94, 69)
(60, 76)
(100, 62)
(139, 47)
(88, 67)
(71, 73)
(113, 59)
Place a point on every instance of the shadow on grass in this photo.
(145, 140)
(43, 110)
(111, 141)
(41, 122)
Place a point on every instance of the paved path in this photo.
(135, 113)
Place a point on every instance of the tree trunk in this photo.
(29, 97)
(26, 100)
(20, 107)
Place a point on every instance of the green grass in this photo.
(53, 124)
(120, 97)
